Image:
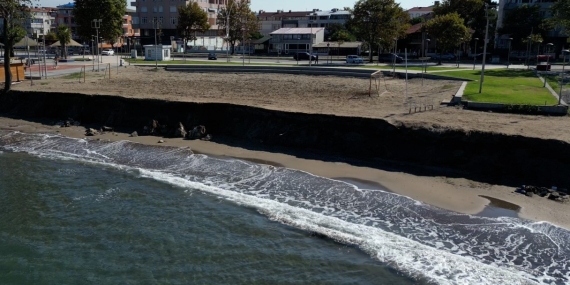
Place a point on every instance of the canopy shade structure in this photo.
(71, 43)
(26, 41)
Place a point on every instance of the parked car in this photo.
(480, 55)
(305, 56)
(108, 52)
(444, 56)
(354, 59)
(390, 57)
(212, 56)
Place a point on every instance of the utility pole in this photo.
(96, 24)
(484, 48)
(156, 23)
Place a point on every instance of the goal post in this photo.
(377, 76)
(106, 70)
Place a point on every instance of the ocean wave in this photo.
(417, 238)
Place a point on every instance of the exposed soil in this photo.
(313, 94)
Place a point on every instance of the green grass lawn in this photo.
(507, 86)
(403, 68)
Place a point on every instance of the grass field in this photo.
(507, 86)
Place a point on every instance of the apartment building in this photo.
(555, 35)
(41, 21)
(165, 13)
(273, 21)
(417, 12)
(63, 14)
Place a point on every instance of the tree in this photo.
(417, 20)
(342, 35)
(111, 13)
(191, 19)
(378, 22)
(467, 9)
(64, 37)
(561, 15)
(51, 36)
(13, 14)
(520, 22)
(337, 31)
(242, 24)
(448, 30)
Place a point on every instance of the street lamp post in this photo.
(394, 56)
(528, 51)
(311, 44)
(458, 50)
(156, 23)
(564, 53)
(29, 62)
(425, 55)
(228, 12)
(475, 53)
(328, 52)
(509, 54)
(96, 24)
(487, 7)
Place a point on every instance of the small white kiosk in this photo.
(157, 52)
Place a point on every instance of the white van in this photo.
(354, 59)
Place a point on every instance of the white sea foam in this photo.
(416, 238)
(406, 255)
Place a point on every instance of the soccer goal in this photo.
(377, 77)
(105, 67)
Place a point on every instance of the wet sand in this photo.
(460, 195)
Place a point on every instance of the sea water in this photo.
(87, 211)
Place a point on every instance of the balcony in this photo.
(134, 3)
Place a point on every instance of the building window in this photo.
(144, 20)
(173, 9)
(154, 9)
(144, 9)
(160, 19)
(135, 20)
(173, 21)
(160, 9)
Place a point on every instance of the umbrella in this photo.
(71, 43)
(26, 41)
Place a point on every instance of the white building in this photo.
(293, 40)
(158, 52)
(417, 12)
(41, 21)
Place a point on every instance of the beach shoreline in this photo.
(455, 194)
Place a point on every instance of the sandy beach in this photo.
(460, 195)
(326, 95)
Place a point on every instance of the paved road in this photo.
(64, 68)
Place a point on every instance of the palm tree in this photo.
(64, 37)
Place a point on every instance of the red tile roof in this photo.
(421, 9)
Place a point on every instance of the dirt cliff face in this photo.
(486, 157)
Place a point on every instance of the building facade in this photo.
(292, 40)
(165, 13)
(64, 15)
(417, 12)
(41, 21)
(555, 35)
(273, 21)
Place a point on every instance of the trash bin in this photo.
(134, 53)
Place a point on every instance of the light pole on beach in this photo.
(487, 16)
(156, 26)
(96, 24)
(509, 54)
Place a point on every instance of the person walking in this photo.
(55, 60)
